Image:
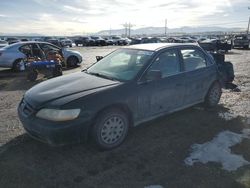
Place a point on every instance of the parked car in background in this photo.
(187, 40)
(45, 39)
(24, 39)
(3, 43)
(241, 41)
(12, 40)
(109, 41)
(12, 55)
(66, 42)
(215, 45)
(37, 39)
(119, 40)
(99, 41)
(132, 85)
(55, 42)
(84, 41)
(135, 40)
(145, 40)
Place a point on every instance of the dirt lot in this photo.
(153, 154)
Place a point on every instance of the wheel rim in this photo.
(112, 130)
(215, 95)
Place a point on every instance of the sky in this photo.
(70, 17)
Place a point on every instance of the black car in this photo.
(84, 41)
(12, 40)
(215, 45)
(129, 86)
(99, 41)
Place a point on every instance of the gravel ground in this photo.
(153, 154)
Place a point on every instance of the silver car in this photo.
(11, 55)
(3, 43)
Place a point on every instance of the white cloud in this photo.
(3, 16)
(73, 9)
(94, 15)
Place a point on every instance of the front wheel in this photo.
(213, 95)
(110, 129)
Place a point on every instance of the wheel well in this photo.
(215, 81)
(17, 60)
(13, 64)
(72, 56)
(124, 108)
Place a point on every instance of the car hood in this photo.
(63, 86)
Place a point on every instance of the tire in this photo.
(32, 75)
(72, 61)
(15, 66)
(57, 71)
(213, 95)
(110, 129)
(246, 47)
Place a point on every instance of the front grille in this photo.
(26, 108)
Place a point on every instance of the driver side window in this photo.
(167, 62)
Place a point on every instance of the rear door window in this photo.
(193, 59)
(167, 62)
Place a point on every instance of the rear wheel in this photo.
(72, 61)
(16, 65)
(110, 129)
(213, 95)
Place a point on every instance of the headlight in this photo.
(58, 115)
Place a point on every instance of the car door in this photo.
(165, 94)
(197, 74)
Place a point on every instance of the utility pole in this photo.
(126, 28)
(129, 28)
(166, 23)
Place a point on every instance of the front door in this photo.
(165, 94)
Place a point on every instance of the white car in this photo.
(66, 42)
(11, 55)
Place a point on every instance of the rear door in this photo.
(198, 74)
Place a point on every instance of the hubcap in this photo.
(112, 130)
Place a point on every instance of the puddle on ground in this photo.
(218, 150)
(153, 186)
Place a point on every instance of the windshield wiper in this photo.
(101, 75)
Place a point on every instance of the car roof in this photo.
(18, 44)
(157, 46)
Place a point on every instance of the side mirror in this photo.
(98, 58)
(153, 75)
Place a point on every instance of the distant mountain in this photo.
(161, 30)
(21, 34)
(142, 31)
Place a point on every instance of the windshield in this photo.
(122, 64)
